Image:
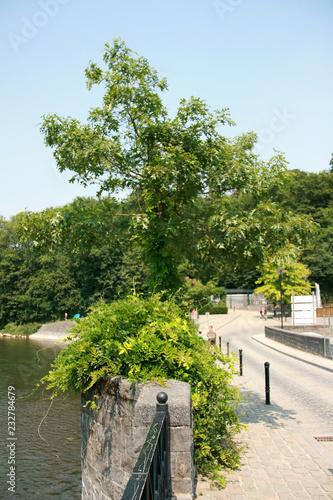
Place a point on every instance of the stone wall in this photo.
(312, 343)
(113, 435)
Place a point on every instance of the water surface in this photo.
(48, 436)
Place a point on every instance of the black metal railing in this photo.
(150, 479)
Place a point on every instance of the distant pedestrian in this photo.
(65, 316)
(234, 308)
(260, 311)
(265, 313)
(211, 335)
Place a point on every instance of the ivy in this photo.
(153, 339)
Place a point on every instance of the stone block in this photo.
(179, 403)
(183, 466)
(113, 436)
(181, 486)
(181, 438)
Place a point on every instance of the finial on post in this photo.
(162, 398)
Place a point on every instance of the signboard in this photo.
(303, 309)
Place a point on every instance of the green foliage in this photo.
(214, 309)
(154, 340)
(27, 329)
(65, 259)
(292, 278)
(194, 294)
(178, 170)
(308, 193)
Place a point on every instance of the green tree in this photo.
(65, 259)
(176, 169)
(197, 295)
(308, 193)
(292, 278)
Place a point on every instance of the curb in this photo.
(262, 340)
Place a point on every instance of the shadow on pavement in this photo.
(253, 409)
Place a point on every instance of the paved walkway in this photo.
(282, 460)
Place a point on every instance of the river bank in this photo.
(50, 331)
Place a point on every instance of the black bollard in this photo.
(228, 348)
(220, 346)
(267, 388)
(241, 362)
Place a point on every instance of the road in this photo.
(303, 390)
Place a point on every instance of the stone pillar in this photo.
(112, 436)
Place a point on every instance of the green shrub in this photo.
(153, 340)
(27, 329)
(219, 309)
(212, 309)
(194, 294)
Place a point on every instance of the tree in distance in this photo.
(292, 278)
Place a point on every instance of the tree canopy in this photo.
(177, 170)
(292, 278)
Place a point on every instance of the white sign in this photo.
(303, 309)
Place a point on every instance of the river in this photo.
(41, 455)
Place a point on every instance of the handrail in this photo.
(150, 479)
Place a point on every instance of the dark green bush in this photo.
(219, 309)
(154, 340)
(212, 309)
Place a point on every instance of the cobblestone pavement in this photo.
(282, 460)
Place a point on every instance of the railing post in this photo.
(267, 387)
(162, 407)
(151, 476)
(241, 362)
(220, 343)
(228, 348)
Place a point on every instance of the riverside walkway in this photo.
(283, 460)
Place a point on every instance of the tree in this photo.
(65, 259)
(292, 278)
(176, 169)
(196, 294)
(312, 194)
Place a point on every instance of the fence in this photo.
(113, 437)
(150, 479)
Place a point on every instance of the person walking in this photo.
(211, 335)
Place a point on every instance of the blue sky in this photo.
(269, 61)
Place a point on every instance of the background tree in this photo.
(292, 278)
(197, 295)
(308, 193)
(65, 259)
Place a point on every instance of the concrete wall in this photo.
(112, 437)
(312, 343)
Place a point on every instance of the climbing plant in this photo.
(150, 339)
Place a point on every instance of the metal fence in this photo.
(151, 478)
